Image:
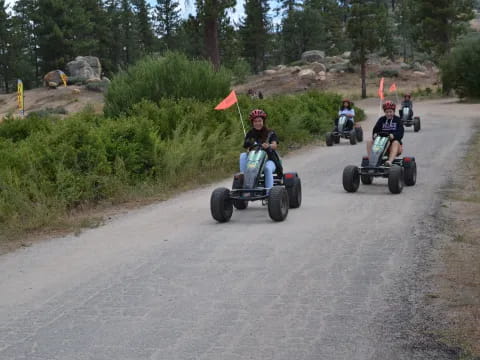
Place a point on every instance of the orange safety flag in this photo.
(380, 89)
(227, 102)
(393, 88)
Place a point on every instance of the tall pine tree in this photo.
(364, 28)
(167, 13)
(440, 23)
(254, 33)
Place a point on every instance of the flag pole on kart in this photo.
(393, 88)
(380, 93)
(228, 102)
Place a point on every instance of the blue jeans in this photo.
(268, 170)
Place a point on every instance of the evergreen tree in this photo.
(363, 28)
(144, 25)
(209, 13)
(254, 33)
(168, 21)
(27, 34)
(5, 43)
(113, 60)
(440, 23)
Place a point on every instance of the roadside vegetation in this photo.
(52, 167)
(460, 70)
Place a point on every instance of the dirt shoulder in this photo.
(71, 99)
(457, 273)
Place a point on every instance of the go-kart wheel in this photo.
(329, 139)
(295, 193)
(416, 124)
(238, 184)
(359, 133)
(366, 179)
(353, 137)
(221, 205)
(336, 139)
(278, 203)
(395, 179)
(240, 204)
(351, 178)
(410, 173)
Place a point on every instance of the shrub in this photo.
(171, 77)
(241, 69)
(460, 70)
(389, 73)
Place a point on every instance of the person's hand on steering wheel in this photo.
(265, 146)
(391, 137)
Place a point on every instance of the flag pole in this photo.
(241, 120)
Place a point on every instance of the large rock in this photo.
(270, 72)
(339, 67)
(419, 67)
(53, 77)
(307, 74)
(317, 67)
(420, 74)
(347, 54)
(322, 76)
(313, 56)
(84, 68)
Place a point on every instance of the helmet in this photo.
(258, 113)
(389, 105)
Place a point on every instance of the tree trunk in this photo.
(363, 67)
(364, 75)
(211, 42)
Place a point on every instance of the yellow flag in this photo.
(20, 95)
(64, 79)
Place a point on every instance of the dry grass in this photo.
(460, 281)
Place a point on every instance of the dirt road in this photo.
(341, 278)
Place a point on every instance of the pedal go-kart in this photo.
(286, 191)
(403, 170)
(354, 135)
(408, 121)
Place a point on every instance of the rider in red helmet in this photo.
(347, 110)
(393, 125)
(262, 135)
(407, 101)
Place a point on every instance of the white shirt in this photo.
(347, 112)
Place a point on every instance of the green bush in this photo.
(461, 70)
(389, 73)
(241, 69)
(49, 167)
(172, 77)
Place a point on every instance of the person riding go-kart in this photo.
(261, 177)
(393, 125)
(406, 113)
(382, 161)
(344, 126)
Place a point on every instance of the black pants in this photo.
(348, 125)
(410, 116)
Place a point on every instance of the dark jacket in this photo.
(260, 137)
(407, 103)
(394, 126)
